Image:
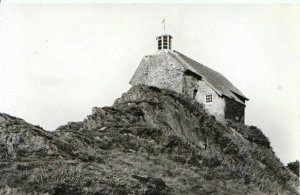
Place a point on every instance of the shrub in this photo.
(256, 135)
(252, 134)
(294, 167)
(211, 161)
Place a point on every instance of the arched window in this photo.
(195, 93)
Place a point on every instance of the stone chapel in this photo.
(170, 69)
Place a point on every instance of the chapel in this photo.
(170, 69)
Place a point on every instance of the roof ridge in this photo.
(216, 80)
(196, 72)
(198, 62)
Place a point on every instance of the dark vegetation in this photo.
(150, 141)
(294, 167)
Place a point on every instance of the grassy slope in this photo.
(150, 142)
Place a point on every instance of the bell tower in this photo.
(164, 42)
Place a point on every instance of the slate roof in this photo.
(216, 80)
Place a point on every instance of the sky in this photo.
(57, 61)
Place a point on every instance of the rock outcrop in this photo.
(150, 141)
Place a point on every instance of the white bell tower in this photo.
(164, 42)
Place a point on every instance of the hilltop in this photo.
(151, 141)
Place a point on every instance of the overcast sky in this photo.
(58, 61)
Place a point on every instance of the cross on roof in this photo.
(164, 21)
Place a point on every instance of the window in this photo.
(195, 93)
(208, 98)
(159, 42)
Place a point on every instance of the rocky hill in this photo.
(150, 141)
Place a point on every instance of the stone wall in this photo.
(234, 111)
(141, 74)
(161, 71)
(193, 83)
(217, 106)
(190, 85)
